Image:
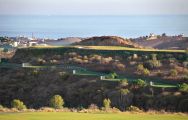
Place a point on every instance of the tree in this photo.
(56, 102)
(18, 104)
(106, 103)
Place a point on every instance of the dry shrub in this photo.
(93, 106)
(72, 54)
(46, 109)
(134, 109)
(111, 110)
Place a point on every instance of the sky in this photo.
(93, 7)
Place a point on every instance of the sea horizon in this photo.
(61, 26)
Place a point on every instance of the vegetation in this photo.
(18, 104)
(183, 87)
(89, 116)
(152, 64)
(46, 77)
(1, 106)
(112, 75)
(107, 103)
(173, 72)
(133, 109)
(56, 102)
(142, 70)
(139, 83)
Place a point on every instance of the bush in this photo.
(140, 83)
(1, 106)
(152, 64)
(56, 102)
(123, 83)
(106, 103)
(18, 104)
(140, 68)
(146, 71)
(154, 56)
(112, 75)
(124, 91)
(119, 66)
(93, 107)
(173, 72)
(183, 87)
(133, 109)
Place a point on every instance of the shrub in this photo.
(1, 106)
(56, 102)
(106, 103)
(133, 109)
(18, 104)
(154, 56)
(140, 83)
(152, 64)
(146, 71)
(124, 91)
(159, 73)
(93, 106)
(123, 83)
(112, 75)
(183, 87)
(140, 68)
(119, 66)
(173, 72)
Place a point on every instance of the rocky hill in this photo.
(108, 41)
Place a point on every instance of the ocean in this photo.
(87, 26)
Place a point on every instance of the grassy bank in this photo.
(89, 116)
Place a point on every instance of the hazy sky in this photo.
(93, 7)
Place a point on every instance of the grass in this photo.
(164, 86)
(89, 73)
(112, 48)
(131, 49)
(89, 116)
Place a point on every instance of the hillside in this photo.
(63, 41)
(127, 78)
(168, 42)
(107, 41)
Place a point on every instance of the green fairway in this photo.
(116, 48)
(88, 116)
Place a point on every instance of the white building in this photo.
(15, 44)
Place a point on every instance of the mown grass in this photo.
(164, 86)
(89, 116)
(113, 48)
(130, 49)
